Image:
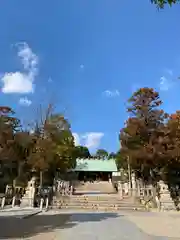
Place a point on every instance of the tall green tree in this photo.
(112, 155)
(101, 153)
(121, 160)
(82, 152)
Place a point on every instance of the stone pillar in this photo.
(31, 192)
(126, 188)
(120, 189)
(133, 180)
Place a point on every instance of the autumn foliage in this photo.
(48, 148)
(150, 137)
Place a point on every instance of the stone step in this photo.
(116, 206)
(140, 208)
(94, 201)
(99, 200)
(95, 197)
(126, 203)
(101, 186)
(97, 204)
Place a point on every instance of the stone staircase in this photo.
(103, 187)
(101, 202)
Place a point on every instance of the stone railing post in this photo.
(13, 201)
(41, 204)
(3, 202)
(47, 203)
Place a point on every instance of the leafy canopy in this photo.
(140, 138)
(162, 3)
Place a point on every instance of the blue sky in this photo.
(87, 57)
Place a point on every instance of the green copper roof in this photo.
(95, 165)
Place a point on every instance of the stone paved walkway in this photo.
(55, 225)
(120, 226)
(166, 224)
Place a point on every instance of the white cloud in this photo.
(91, 140)
(17, 82)
(113, 93)
(76, 139)
(167, 81)
(28, 58)
(22, 82)
(25, 101)
(164, 84)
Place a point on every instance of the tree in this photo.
(101, 153)
(121, 160)
(141, 137)
(59, 131)
(170, 171)
(53, 144)
(171, 143)
(23, 142)
(82, 152)
(112, 155)
(9, 125)
(162, 3)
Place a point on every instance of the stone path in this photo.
(164, 223)
(107, 226)
(18, 212)
(55, 225)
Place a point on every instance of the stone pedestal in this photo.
(28, 198)
(165, 199)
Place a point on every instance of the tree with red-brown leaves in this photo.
(171, 144)
(142, 134)
(48, 148)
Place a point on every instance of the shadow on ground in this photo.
(14, 227)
